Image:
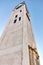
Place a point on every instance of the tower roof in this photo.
(21, 4)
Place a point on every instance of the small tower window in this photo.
(18, 7)
(19, 18)
(16, 16)
(15, 20)
(20, 10)
(27, 16)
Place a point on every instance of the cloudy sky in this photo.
(35, 7)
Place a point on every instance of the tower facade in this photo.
(17, 44)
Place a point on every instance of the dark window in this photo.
(16, 16)
(27, 16)
(20, 10)
(15, 20)
(19, 18)
(18, 7)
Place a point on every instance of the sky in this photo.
(35, 8)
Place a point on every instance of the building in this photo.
(17, 44)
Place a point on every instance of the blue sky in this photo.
(35, 7)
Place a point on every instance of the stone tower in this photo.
(17, 45)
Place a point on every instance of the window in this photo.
(15, 20)
(16, 16)
(19, 18)
(27, 16)
(20, 10)
(18, 7)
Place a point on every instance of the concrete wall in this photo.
(15, 40)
